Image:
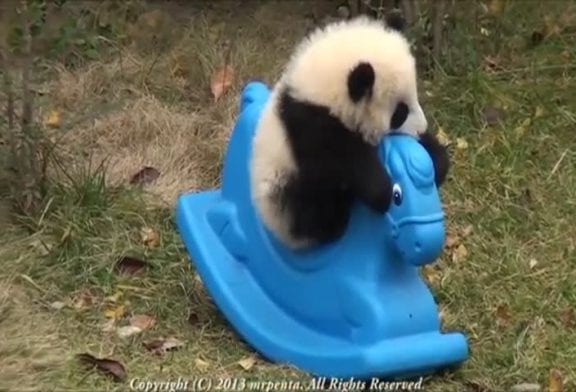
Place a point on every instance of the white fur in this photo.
(271, 164)
(319, 67)
(317, 72)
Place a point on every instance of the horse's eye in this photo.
(397, 194)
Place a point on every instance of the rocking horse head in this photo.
(415, 217)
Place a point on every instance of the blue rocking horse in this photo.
(354, 308)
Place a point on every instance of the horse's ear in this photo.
(439, 155)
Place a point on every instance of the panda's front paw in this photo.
(439, 155)
(379, 198)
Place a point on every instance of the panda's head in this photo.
(364, 72)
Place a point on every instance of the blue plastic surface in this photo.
(353, 308)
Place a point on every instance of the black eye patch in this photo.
(400, 115)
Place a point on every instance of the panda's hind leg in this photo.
(319, 214)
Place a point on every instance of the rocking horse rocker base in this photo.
(354, 308)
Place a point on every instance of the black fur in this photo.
(335, 167)
(396, 21)
(361, 82)
(400, 115)
(439, 155)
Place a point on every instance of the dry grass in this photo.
(185, 147)
(156, 109)
(29, 343)
(512, 293)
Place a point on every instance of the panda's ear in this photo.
(361, 81)
(395, 21)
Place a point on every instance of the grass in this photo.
(512, 293)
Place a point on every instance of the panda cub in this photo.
(315, 149)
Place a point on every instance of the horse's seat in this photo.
(354, 308)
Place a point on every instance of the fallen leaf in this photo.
(467, 231)
(198, 282)
(567, 18)
(84, 299)
(42, 247)
(495, 7)
(145, 176)
(151, 19)
(555, 383)
(220, 81)
(193, 319)
(568, 318)
(460, 253)
(66, 234)
(201, 364)
(491, 64)
(478, 387)
(53, 119)
(161, 346)
(526, 387)
(108, 366)
(114, 297)
(532, 263)
(109, 325)
(503, 316)
(492, 115)
(442, 314)
(151, 28)
(526, 197)
(179, 68)
(128, 330)
(551, 27)
(149, 237)
(430, 274)
(442, 137)
(57, 305)
(526, 123)
(115, 313)
(142, 321)
(461, 143)
(473, 386)
(536, 38)
(452, 240)
(247, 363)
(539, 112)
(521, 129)
(130, 265)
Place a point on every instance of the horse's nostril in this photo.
(417, 246)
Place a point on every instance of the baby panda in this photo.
(315, 148)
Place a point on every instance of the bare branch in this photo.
(438, 28)
(10, 97)
(408, 11)
(26, 96)
(415, 4)
(353, 5)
